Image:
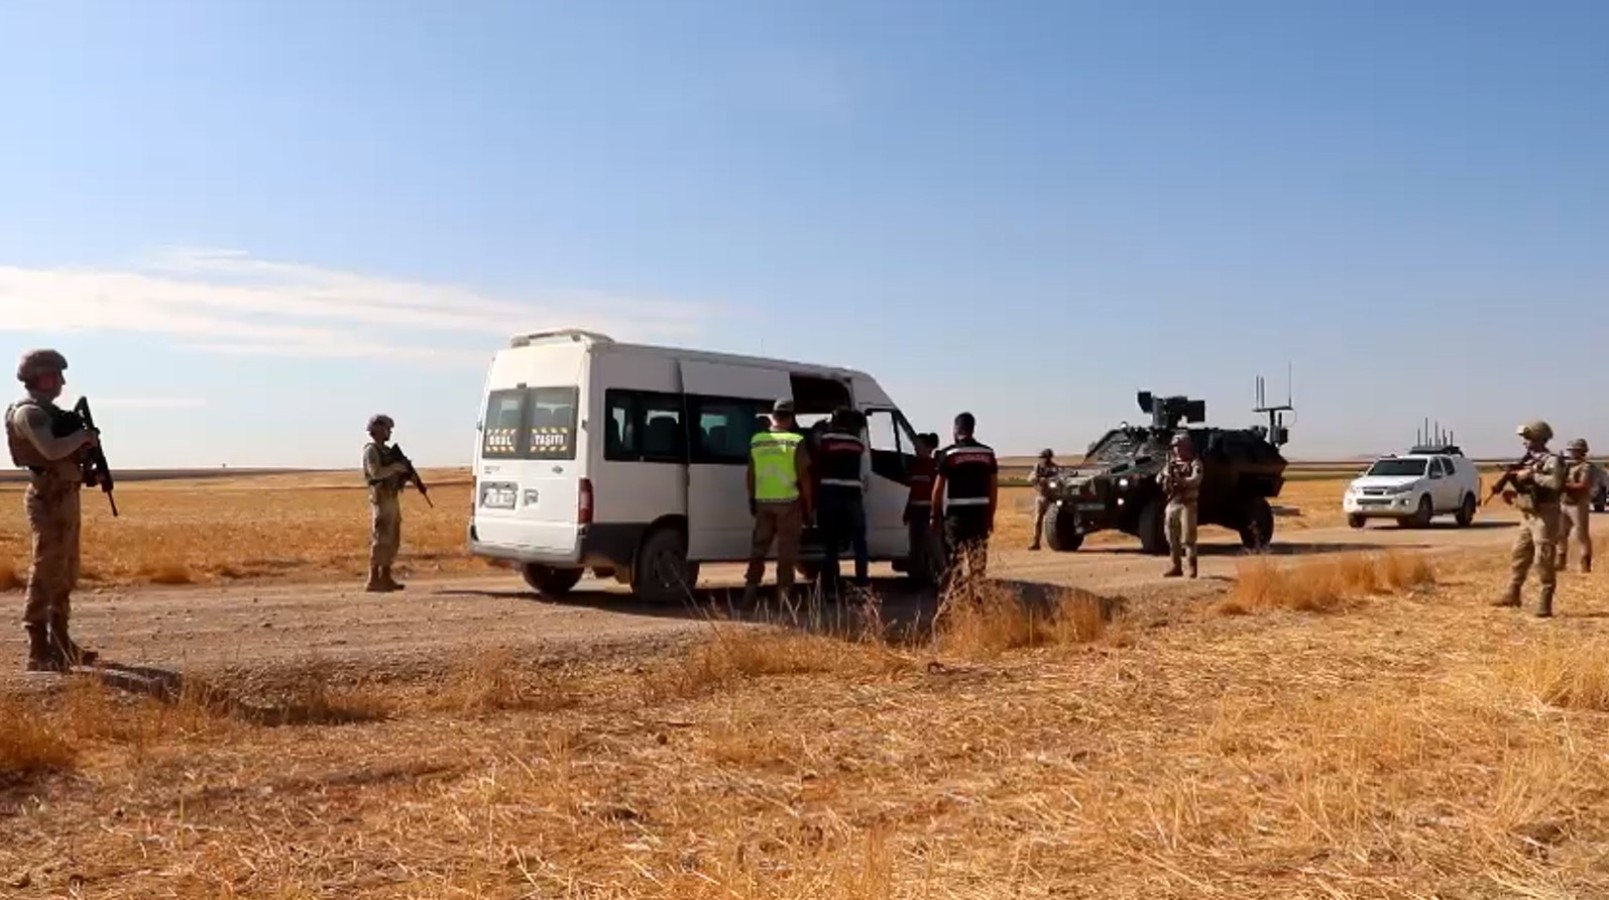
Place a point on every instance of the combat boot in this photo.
(69, 653)
(1174, 571)
(387, 582)
(1192, 567)
(1544, 604)
(374, 585)
(1511, 598)
(42, 656)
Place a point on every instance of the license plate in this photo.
(499, 495)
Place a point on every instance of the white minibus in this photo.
(629, 459)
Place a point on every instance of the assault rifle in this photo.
(412, 475)
(1507, 479)
(93, 463)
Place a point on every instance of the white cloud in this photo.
(229, 302)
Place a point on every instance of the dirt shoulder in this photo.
(201, 628)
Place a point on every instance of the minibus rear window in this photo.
(530, 423)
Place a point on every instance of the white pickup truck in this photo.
(1414, 488)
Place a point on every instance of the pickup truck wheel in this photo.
(1355, 521)
(548, 581)
(1466, 511)
(1421, 516)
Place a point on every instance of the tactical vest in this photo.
(1534, 494)
(837, 459)
(23, 452)
(390, 482)
(1173, 484)
(776, 476)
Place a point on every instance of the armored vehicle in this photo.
(1115, 486)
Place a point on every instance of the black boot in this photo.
(70, 653)
(1544, 603)
(42, 656)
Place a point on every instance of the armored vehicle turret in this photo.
(1115, 486)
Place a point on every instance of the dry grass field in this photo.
(1349, 725)
(309, 527)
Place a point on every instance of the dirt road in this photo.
(269, 625)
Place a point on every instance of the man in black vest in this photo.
(966, 492)
(841, 493)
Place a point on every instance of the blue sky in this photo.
(251, 224)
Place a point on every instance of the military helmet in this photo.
(381, 420)
(1579, 444)
(1538, 429)
(37, 362)
(1047, 453)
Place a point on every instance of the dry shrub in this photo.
(1325, 585)
(10, 578)
(493, 681)
(1567, 672)
(31, 741)
(986, 620)
(167, 572)
(738, 652)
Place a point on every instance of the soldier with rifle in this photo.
(387, 470)
(1536, 480)
(1181, 484)
(61, 450)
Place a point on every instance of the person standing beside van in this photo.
(922, 547)
(384, 472)
(841, 511)
(780, 497)
(965, 494)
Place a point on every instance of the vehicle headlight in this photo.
(1123, 483)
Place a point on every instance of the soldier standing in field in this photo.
(1580, 480)
(49, 443)
(386, 472)
(1181, 484)
(1538, 484)
(1039, 479)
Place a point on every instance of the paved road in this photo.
(206, 627)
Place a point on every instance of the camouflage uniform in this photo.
(53, 506)
(1181, 483)
(1580, 479)
(385, 475)
(1043, 472)
(1538, 484)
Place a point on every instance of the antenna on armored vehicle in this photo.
(1276, 432)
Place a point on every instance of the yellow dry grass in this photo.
(203, 531)
(1369, 728)
(298, 527)
(1414, 742)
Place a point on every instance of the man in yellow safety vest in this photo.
(780, 498)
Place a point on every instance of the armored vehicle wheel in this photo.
(1153, 529)
(548, 581)
(1060, 532)
(1466, 511)
(1257, 528)
(1355, 521)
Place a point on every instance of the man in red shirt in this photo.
(923, 558)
